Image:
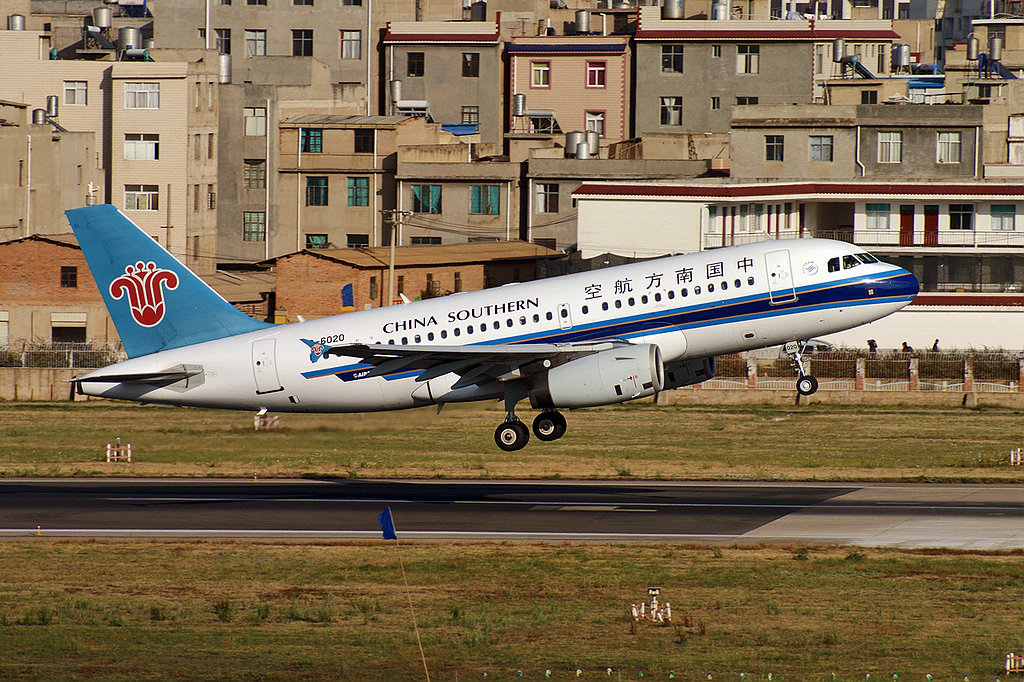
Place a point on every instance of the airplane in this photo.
(572, 341)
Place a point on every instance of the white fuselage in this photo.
(691, 306)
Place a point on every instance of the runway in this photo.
(982, 517)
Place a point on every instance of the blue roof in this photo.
(461, 128)
(926, 82)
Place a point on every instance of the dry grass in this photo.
(817, 442)
(225, 610)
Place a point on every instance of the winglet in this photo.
(156, 302)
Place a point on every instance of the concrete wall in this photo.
(36, 383)
(614, 226)
(955, 327)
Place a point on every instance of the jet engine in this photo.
(609, 376)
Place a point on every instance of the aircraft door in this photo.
(264, 366)
(564, 316)
(780, 277)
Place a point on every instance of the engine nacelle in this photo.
(687, 372)
(610, 376)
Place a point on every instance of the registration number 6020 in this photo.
(333, 338)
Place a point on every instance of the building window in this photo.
(400, 285)
(141, 198)
(415, 65)
(359, 191)
(672, 58)
(748, 58)
(311, 140)
(302, 42)
(255, 121)
(457, 286)
(877, 216)
(948, 147)
(363, 143)
(773, 147)
(68, 276)
(741, 101)
(210, 145)
(223, 40)
(425, 241)
(373, 288)
(141, 95)
(890, 146)
(1003, 217)
(594, 122)
(961, 216)
(869, 96)
(471, 115)
(211, 197)
(484, 199)
(302, 3)
(316, 241)
(716, 51)
(141, 147)
(254, 174)
(195, 198)
(547, 197)
(470, 64)
(595, 74)
(821, 147)
(316, 190)
(357, 241)
(351, 3)
(254, 226)
(426, 198)
(256, 3)
(255, 43)
(351, 44)
(540, 74)
(671, 111)
(716, 103)
(75, 93)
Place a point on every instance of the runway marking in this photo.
(597, 507)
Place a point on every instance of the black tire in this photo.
(806, 385)
(548, 426)
(510, 436)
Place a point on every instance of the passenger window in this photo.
(657, 297)
(586, 309)
(536, 317)
(430, 336)
(737, 284)
(549, 316)
(725, 285)
(405, 341)
(750, 281)
(469, 329)
(457, 331)
(483, 327)
(522, 319)
(564, 312)
(417, 338)
(671, 294)
(391, 342)
(632, 301)
(711, 287)
(850, 262)
(604, 306)
(684, 293)
(497, 325)
(618, 303)
(444, 334)
(833, 265)
(643, 299)
(508, 322)
(696, 291)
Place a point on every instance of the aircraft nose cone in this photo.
(907, 284)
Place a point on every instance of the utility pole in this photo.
(393, 218)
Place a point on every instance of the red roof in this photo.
(453, 38)
(766, 35)
(768, 189)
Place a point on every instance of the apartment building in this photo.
(155, 123)
(690, 74)
(451, 72)
(337, 175)
(578, 82)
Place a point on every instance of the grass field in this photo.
(245, 611)
(817, 442)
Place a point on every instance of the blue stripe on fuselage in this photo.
(894, 285)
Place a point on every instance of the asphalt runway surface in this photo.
(884, 515)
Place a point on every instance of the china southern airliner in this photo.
(579, 340)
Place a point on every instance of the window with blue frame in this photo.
(426, 198)
(359, 191)
(484, 200)
(311, 140)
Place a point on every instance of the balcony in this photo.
(940, 238)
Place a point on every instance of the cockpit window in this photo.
(866, 258)
(850, 262)
(833, 265)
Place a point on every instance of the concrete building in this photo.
(451, 71)
(44, 171)
(691, 74)
(156, 129)
(336, 175)
(871, 141)
(309, 282)
(571, 83)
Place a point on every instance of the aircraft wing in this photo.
(477, 364)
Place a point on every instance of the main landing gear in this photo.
(513, 434)
(805, 383)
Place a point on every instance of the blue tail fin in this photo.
(156, 303)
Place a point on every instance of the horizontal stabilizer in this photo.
(162, 378)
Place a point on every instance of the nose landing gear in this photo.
(805, 383)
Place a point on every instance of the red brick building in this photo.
(310, 282)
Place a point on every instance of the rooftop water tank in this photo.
(15, 22)
(582, 21)
(519, 105)
(39, 117)
(672, 9)
(838, 49)
(995, 48)
(583, 150)
(572, 141)
(102, 17)
(223, 68)
(972, 48)
(52, 104)
(593, 141)
(128, 37)
(478, 11)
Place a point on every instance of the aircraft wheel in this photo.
(511, 436)
(549, 426)
(806, 385)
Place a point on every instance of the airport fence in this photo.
(848, 370)
(59, 355)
